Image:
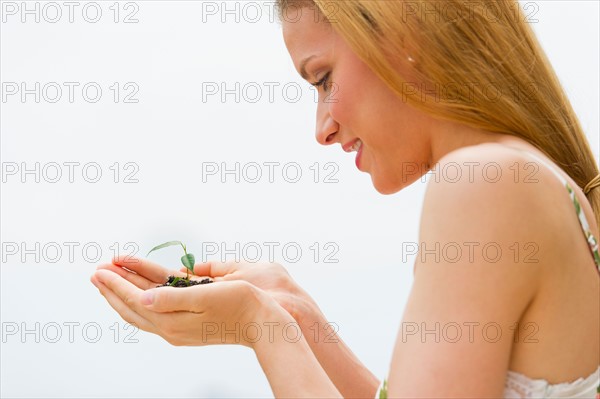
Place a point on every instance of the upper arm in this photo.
(472, 284)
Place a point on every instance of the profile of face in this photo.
(355, 104)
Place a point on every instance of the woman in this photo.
(414, 87)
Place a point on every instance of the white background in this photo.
(168, 134)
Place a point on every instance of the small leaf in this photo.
(188, 261)
(166, 244)
(175, 280)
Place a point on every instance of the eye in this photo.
(323, 82)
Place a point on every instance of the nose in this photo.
(327, 127)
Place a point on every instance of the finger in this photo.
(217, 269)
(138, 280)
(129, 294)
(191, 299)
(122, 309)
(144, 267)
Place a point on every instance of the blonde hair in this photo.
(479, 60)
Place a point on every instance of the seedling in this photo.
(188, 261)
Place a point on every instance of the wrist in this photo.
(313, 323)
(304, 309)
(307, 312)
(271, 322)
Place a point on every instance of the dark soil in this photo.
(183, 282)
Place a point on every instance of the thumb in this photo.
(171, 299)
(191, 299)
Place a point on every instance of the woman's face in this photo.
(355, 104)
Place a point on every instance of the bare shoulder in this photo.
(489, 190)
(479, 263)
(490, 203)
(493, 230)
(486, 168)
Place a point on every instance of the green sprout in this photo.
(188, 260)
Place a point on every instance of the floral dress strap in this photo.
(585, 226)
(382, 390)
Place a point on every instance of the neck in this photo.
(455, 136)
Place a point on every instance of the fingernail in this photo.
(148, 297)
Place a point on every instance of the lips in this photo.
(354, 145)
(357, 160)
(349, 147)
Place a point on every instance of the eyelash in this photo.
(323, 81)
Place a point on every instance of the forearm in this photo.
(291, 367)
(344, 369)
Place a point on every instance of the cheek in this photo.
(342, 102)
(351, 104)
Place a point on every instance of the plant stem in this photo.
(187, 271)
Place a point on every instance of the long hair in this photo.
(478, 63)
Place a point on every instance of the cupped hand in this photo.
(142, 273)
(272, 278)
(197, 315)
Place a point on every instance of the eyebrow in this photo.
(303, 67)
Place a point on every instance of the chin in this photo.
(386, 187)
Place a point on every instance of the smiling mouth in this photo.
(357, 145)
(352, 146)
